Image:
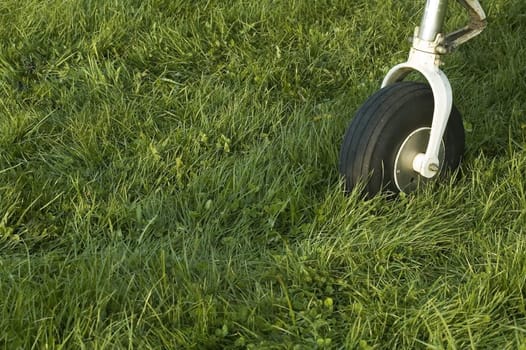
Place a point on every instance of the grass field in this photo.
(168, 179)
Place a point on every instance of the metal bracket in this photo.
(476, 25)
(432, 22)
(425, 57)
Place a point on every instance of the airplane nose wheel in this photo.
(408, 132)
(388, 132)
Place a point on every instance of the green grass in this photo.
(168, 180)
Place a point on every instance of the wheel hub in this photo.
(406, 178)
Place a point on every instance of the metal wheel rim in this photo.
(406, 178)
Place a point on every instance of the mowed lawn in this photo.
(168, 180)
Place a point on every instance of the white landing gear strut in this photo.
(429, 44)
(407, 132)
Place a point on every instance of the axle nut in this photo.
(434, 167)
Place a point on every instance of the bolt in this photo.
(433, 167)
(441, 50)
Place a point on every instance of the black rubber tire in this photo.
(379, 128)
